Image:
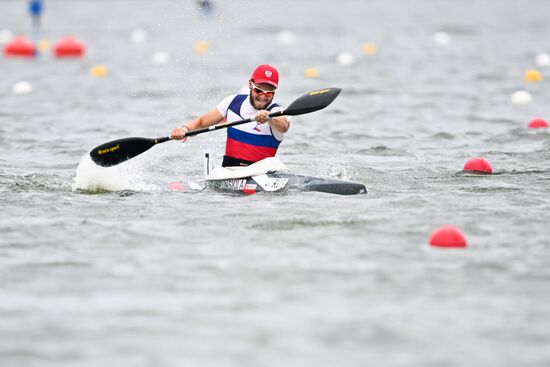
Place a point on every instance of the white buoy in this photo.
(285, 37)
(521, 97)
(160, 58)
(542, 60)
(442, 38)
(22, 87)
(5, 36)
(345, 59)
(138, 36)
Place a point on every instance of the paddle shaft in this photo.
(220, 126)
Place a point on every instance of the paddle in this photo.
(118, 151)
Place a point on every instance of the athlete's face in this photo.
(261, 95)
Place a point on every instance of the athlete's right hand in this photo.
(178, 133)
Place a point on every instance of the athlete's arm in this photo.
(208, 119)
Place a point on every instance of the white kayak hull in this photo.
(283, 181)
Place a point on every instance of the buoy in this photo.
(442, 38)
(532, 75)
(98, 70)
(68, 47)
(311, 73)
(22, 87)
(285, 37)
(521, 97)
(542, 60)
(43, 45)
(447, 236)
(478, 165)
(345, 59)
(5, 36)
(160, 58)
(200, 47)
(537, 123)
(138, 36)
(19, 47)
(370, 49)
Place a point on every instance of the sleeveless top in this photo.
(250, 142)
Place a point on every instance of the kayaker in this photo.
(250, 142)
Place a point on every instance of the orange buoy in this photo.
(447, 236)
(19, 47)
(537, 123)
(68, 47)
(478, 165)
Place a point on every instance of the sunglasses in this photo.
(259, 90)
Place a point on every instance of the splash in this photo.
(93, 178)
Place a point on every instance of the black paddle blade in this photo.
(118, 151)
(312, 101)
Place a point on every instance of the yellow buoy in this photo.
(43, 45)
(98, 71)
(532, 75)
(370, 49)
(311, 73)
(201, 47)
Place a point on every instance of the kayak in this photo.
(271, 175)
(281, 181)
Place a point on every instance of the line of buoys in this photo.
(537, 123)
(448, 236)
(23, 47)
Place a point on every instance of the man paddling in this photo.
(250, 142)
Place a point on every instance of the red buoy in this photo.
(19, 47)
(447, 236)
(478, 165)
(68, 47)
(537, 123)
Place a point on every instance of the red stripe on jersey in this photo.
(248, 152)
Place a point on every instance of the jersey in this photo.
(251, 141)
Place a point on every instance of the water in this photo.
(137, 274)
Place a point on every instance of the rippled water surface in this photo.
(110, 267)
